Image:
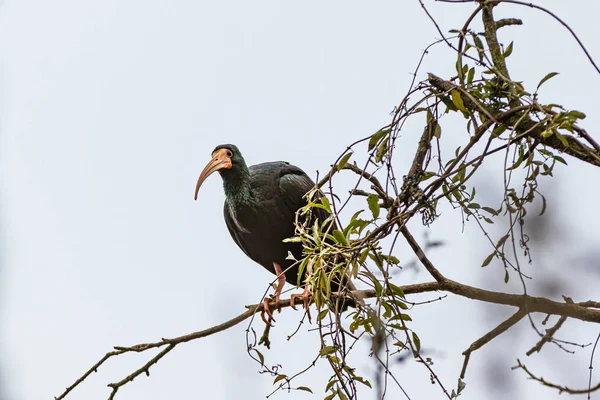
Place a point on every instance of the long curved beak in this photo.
(219, 162)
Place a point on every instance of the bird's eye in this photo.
(229, 153)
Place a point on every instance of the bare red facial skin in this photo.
(221, 160)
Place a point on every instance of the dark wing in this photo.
(293, 185)
(234, 229)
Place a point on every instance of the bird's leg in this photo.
(267, 301)
(280, 281)
(305, 300)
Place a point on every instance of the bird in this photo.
(260, 208)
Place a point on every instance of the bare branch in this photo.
(507, 22)
(437, 275)
(560, 388)
(592, 365)
(532, 304)
(549, 333)
(485, 339)
(547, 337)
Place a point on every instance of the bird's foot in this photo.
(266, 302)
(306, 297)
(266, 312)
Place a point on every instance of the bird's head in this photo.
(227, 160)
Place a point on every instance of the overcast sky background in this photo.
(110, 109)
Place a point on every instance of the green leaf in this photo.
(490, 210)
(391, 259)
(437, 131)
(501, 241)
(544, 79)
(295, 239)
(330, 384)
(519, 160)
(363, 381)
(333, 359)
(560, 159)
(388, 310)
(508, 50)
(316, 231)
(416, 341)
(354, 223)
(322, 314)
(374, 206)
(279, 377)
(382, 150)
(363, 256)
(378, 262)
(304, 388)
(376, 137)
(399, 303)
(315, 205)
(576, 114)
(325, 202)
(457, 100)
(498, 130)
(396, 290)
(448, 103)
(327, 350)
(302, 267)
(260, 357)
(344, 161)
(470, 76)
(331, 396)
(488, 260)
(405, 317)
(340, 238)
(426, 175)
(547, 133)
(562, 139)
(479, 46)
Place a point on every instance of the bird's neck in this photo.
(237, 187)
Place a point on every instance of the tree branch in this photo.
(500, 329)
(522, 125)
(530, 303)
(552, 385)
(549, 333)
(508, 21)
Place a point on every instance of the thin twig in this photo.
(553, 385)
(592, 366)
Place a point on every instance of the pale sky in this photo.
(110, 109)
